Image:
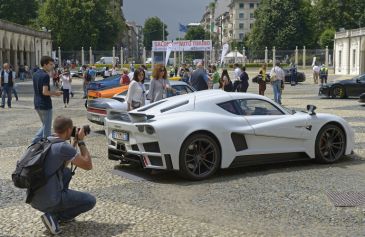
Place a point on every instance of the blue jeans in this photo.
(6, 91)
(21, 76)
(45, 130)
(276, 86)
(73, 203)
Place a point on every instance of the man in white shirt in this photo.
(237, 71)
(316, 70)
(277, 77)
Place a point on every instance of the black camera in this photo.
(75, 130)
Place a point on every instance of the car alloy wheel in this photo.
(330, 144)
(338, 92)
(199, 157)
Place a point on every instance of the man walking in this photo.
(277, 78)
(55, 199)
(199, 78)
(6, 79)
(42, 97)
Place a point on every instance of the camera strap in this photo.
(73, 168)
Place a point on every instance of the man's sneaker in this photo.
(51, 223)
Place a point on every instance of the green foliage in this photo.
(19, 11)
(283, 24)
(326, 38)
(196, 33)
(80, 23)
(152, 31)
(348, 14)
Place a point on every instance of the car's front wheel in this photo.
(199, 157)
(338, 92)
(330, 144)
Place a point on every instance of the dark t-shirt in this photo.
(50, 195)
(40, 79)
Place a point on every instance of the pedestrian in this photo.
(237, 71)
(226, 83)
(21, 72)
(66, 86)
(27, 71)
(136, 92)
(114, 71)
(124, 79)
(42, 97)
(316, 70)
(106, 72)
(277, 77)
(293, 75)
(199, 78)
(59, 203)
(7, 82)
(323, 74)
(92, 72)
(159, 84)
(242, 84)
(215, 77)
(87, 79)
(261, 79)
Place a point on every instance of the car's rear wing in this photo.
(129, 117)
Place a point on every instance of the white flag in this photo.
(224, 51)
(168, 52)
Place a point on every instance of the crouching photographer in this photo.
(59, 203)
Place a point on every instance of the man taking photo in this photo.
(59, 203)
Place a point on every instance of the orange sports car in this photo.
(106, 93)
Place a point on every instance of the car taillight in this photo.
(97, 111)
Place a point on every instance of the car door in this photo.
(360, 85)
(275, 130)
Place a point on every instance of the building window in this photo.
(354, 58)
(241, 15)
(252, 5)
(241, 26)
(251, 25)
(241, 5)
(252, 15)
(241, 35)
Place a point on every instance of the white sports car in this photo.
(198, 133)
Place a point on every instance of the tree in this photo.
(152, 31)
(196, 33)
(80, 23)
(19, 11)
(336, 14)
(283, 24)
(326, 38)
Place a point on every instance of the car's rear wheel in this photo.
(199, 157)
(338, 92)
(330, 144)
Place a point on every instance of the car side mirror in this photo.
(311, 109)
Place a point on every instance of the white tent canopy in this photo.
(232, 56)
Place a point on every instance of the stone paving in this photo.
(270, 200)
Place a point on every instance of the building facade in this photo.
(349, 52)
(21, 45)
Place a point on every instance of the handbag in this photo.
(136, 104)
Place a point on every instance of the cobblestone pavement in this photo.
(271, 200)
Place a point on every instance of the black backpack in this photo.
(29, 172)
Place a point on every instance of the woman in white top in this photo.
(136, 92)
(66, 86)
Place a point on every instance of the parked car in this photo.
(300, 77)
(344, 88)
(108, 82)
(199, 133)
(97, 108)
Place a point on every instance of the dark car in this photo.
(344, 88)
(108, 82)
(362, 98)
(300, 77)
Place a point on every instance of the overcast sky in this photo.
(171, 12)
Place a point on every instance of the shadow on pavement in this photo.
(136, 173)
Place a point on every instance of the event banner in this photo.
(182, 45)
